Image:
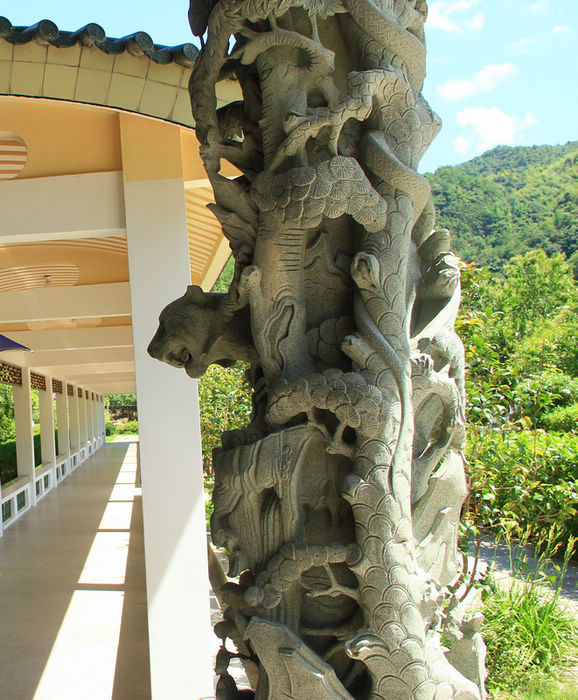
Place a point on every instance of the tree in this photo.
(536, 288)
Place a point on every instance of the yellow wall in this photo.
(63, 138)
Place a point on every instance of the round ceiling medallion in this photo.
(38, 276)
(13, 154)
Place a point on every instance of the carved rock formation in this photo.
(340, 504)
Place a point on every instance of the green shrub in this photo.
(225, 404)
(523, 479)
(111, 428)
(554, 342)
(8, 461)
(536, 395)
(7, 428)
(128, 428)
(8, 466)
(563, 419)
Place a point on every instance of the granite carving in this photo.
(339, 504)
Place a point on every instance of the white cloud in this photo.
(492, 127)
(462, 145)
(447, 16)
(539, 5)
(523, 45)
(485, 80)
(561, 29)
(477, 22)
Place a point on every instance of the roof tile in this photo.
(46, 33)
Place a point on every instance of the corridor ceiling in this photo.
(69, 101)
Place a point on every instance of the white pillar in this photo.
(82, 418)
(96, 417)
(170, 446)
(63, 423)
(74, 421)
(47, 445)
(102, 418)
(92, 405)
(24, 433)
(89, 419)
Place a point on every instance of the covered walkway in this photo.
(104, 221)
(73, 606)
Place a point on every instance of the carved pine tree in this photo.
(339, 504)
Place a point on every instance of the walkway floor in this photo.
(73, 620)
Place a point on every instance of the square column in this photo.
(82, 422)
(89, 419)
(24, 432)
(102, 419)
(169, 428)
(63, 424)
(47, 444)
(74, 419)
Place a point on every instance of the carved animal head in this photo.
(193, 334)
(442, 278)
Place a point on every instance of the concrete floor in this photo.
(73, 622)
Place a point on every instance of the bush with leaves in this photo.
(128, 428)
(523, 479)
(7, 427)
(225, 404)
(536, 288)
(554, 343)
(520, 474)
(562, 419)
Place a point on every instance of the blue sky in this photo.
(499, 71)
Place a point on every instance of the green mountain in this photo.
(510, 200)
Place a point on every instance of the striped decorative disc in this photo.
(13, 154)
(38, 276)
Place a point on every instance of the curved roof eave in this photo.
(85, 66)
(47, 33)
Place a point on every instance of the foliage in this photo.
(119, 400)
(128, 428)
(121, 406)
(536, 288)
(209, 484)
(225, 404)
(523, 479)
(563, 418)
(554, 343)
(8, 464)
(509, 201)
(548, 689)
(550, 389)
(520, 474)
(110, 428)
(225, 278)
(7, 461)
(527, 632)
(6, 413)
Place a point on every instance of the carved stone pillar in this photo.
(339, 503)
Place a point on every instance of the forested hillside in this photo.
(509, 201)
